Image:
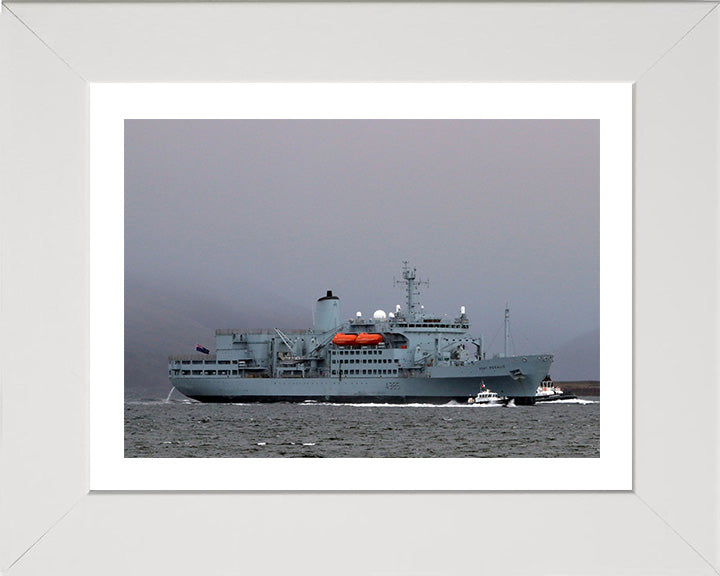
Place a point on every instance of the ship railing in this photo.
(262, 331)
(190, 357)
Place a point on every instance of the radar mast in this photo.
(412, 287)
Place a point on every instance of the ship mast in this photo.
(507, 328)
(412, 285)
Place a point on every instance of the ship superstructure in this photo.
(401, 357)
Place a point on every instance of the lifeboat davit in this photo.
(365, 339)
(341, 339)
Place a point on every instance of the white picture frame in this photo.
(668, 523)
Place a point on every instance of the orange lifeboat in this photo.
(341, 339)
(365, 339)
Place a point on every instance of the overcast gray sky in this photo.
(248, 212)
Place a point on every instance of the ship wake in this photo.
(569, 401)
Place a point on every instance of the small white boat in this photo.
(486, 396)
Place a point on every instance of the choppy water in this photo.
(188, 429)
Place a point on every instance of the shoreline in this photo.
(580, 387)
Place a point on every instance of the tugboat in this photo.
(547, 392)
(401, 357)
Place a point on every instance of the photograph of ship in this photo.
(277, 294)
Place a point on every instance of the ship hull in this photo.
(440, 385)
(329, 399)
(553, 397)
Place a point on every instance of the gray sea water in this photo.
(181, 428)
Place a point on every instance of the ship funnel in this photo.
(326, 315)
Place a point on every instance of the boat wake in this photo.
(387, 405)
(451, 404)
(152, 401)
(569, 401)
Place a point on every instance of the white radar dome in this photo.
(379, 315)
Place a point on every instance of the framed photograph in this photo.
(60, 447)
(570, 147)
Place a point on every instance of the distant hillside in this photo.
(585, 388)
(160, 321)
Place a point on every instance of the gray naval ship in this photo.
(403, 357)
